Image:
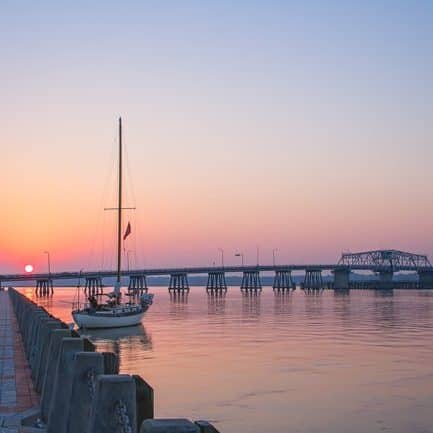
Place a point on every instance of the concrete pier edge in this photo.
(65, 366)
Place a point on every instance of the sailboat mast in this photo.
(119, 209)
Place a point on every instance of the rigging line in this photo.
(135, 238)
(130, 185)
(103, 242)
(107, 178)
(131, 191)
(109, 181)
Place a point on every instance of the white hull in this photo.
(84, 320)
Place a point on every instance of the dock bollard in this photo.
(34, 338)
(113, 407)
(27, 331)
(144, 400)
(41, 361)
(61, 395)
(87, 367)
(50, 373)
(36, 350)
(111, 363)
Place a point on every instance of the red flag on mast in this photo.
(127, 231)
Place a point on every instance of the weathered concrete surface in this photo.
(56, 338)
(87, 366)
(61, 395)
(144, 400)
(113, 407)
(41, 362)
(111, 363)
(28, 331)
(38, 346)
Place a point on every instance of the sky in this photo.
(302, 126)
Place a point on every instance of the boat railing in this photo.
(80, 305)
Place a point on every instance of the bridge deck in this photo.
(212, 269)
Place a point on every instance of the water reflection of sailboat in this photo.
(117, 339)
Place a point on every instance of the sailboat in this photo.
(113, 313)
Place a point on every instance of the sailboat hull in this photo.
(93, 321)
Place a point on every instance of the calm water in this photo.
(359, 362)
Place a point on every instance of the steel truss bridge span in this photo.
(393, 259)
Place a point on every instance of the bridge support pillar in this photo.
(251, 281)
(93, 286)
(425, 279)
(137, 284)
(313, 279)
(216, 281)
(44, 287)
(341, 278)
(283, 281)
(385, 279)
(178, 282)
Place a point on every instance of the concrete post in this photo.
(144, 400)
(111, 363)
(283, 280)
(88, 345)
(87, 366)
(251, 281)
(216, 280)
(41, 363)
(30, 330)
(341, 278)
(385, 279)
(56, 339)
(37, 346)
(174, 425)
(425, 279)
(63, 384)
(137, 284)
(113, 408)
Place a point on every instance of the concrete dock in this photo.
(53, 381)
(17, 393)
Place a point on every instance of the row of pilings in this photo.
(81, 390)
(283, 281)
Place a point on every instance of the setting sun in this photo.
(28, 268)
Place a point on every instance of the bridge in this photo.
(383, 263)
